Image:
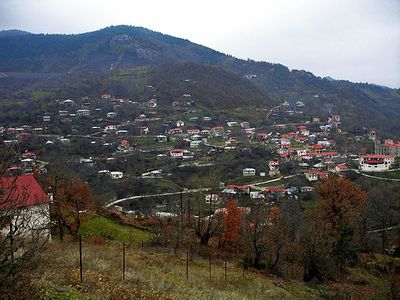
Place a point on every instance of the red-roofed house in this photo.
(176, 131)
(317, 148)
(341, 168)
(176, 153)
(262, 135)
(27, 205)
(193, 131)
(376, 162)
(234, 189)
(328, 154)
(217, 130)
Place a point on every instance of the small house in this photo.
(116, 175)
(180, 123)
(161, 138)
(249, 172)
(143, 130)
(152, 103)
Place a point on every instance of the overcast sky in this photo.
(357, 40)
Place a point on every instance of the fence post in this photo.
(142, 245)
(187, 265)
(225, 269)
(209, 264)
(80, 259)
(244, 266)
(123, 260)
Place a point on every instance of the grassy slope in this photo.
(100, 227)
(149, 275)
(159, 274)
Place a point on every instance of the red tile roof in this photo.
(235, 186)
(392, 145)
(342, 167)
(21, 191)
(375, 156)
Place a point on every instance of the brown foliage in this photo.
(333, 227)
(231, 222)
(339, 203)
(71, 198)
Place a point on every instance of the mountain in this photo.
(13, 32)
(116, 47)
(40, 59)
(329, 78)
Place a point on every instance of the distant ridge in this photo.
(329, 78)
(13, 32)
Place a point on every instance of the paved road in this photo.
(384, 229)
(191, 191)
(375, 177)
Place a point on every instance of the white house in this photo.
(63, 113)
(111, 115)
(143, 130)
(176, 153)
(104, 172)
(161, 138)
(83, 112)
(313, 175)
(375, 162)
(249, 172)
(285, 142)
(106, 96)
(116, 175)
(110, 128)
(69, 102)
(121, 132)
(87, 161)
(152, 103)
(273, 165)
(212, 197)
(180, 123)
(176, 131)
(232, 124)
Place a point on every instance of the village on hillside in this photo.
(110, 139)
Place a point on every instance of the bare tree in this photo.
(205, 223)
(24, 231)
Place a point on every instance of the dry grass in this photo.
(159, 274)
(149, 275)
